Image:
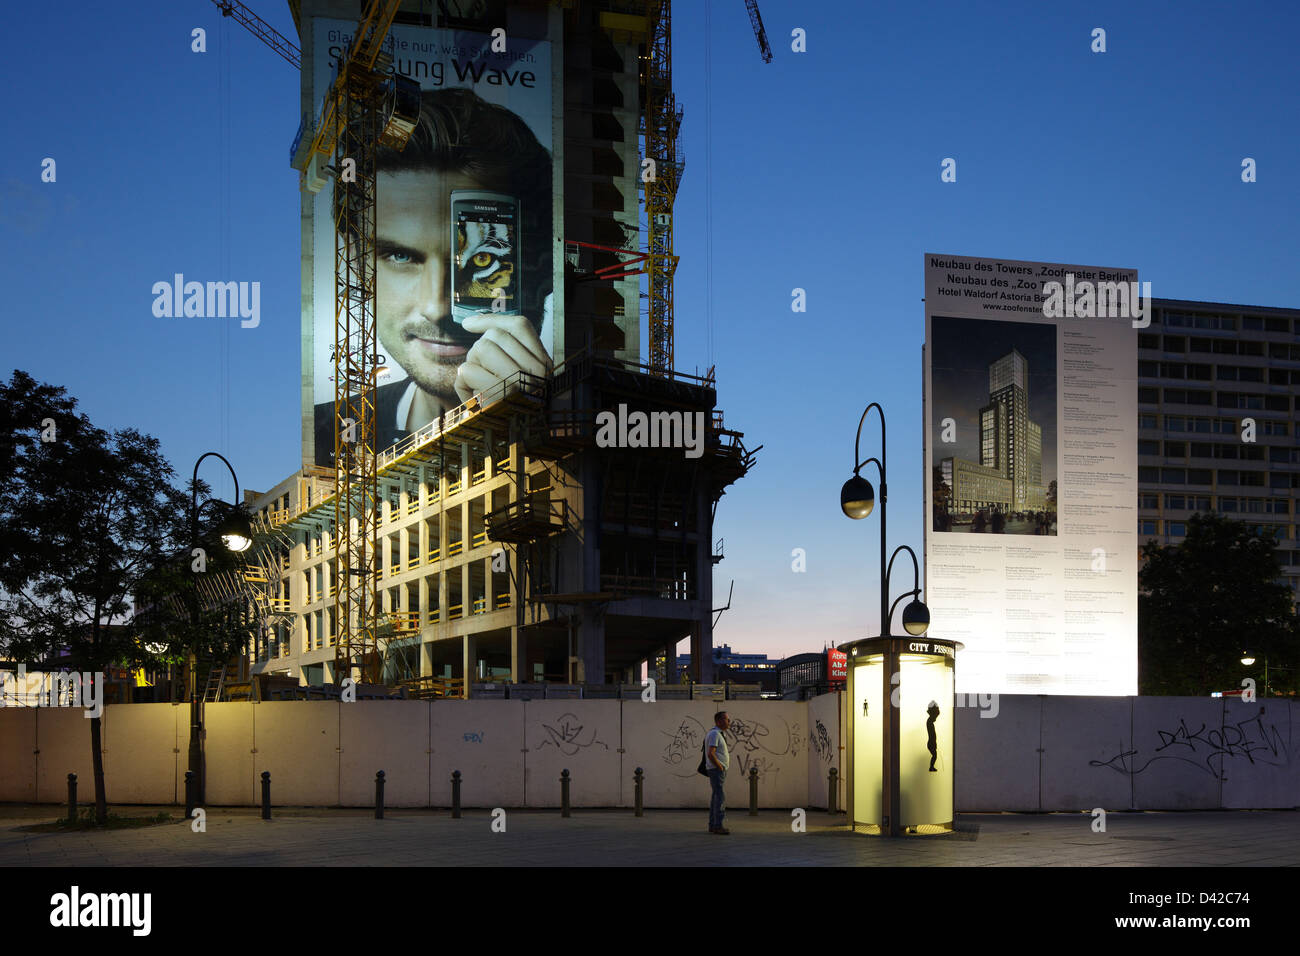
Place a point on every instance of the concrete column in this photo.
(519, 672)
(701, 654)
(589, 645)
(702, 626)
(670, 663)
(468, 660)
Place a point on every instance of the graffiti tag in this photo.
(1208, 748)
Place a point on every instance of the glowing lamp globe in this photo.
(857, 497)
(916, 618)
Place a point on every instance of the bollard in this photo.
(72, 798)
(455, 795)
(266, 794)
(753, 791)
(189, 794)
(564, 793)
(379, 795)
(833, 792)
(640, 782)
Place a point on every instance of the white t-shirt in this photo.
(714, 738)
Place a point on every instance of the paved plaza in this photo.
(343, 837)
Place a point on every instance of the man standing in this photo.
(717, 760)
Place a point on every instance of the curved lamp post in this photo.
(858, 500)
(237, 535)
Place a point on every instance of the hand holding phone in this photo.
(509, 344)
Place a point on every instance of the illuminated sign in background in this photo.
(1031, 490)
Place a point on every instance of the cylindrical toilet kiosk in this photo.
(923, 697)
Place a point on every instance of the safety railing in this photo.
(520, 382)
(405, 622)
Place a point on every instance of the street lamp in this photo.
(236, 532)
(857, 501)
(1248, 659)
(237, 535)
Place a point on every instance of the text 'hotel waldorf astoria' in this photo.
(1009, 475)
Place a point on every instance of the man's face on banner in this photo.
(413, 300)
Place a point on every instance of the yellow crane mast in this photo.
(366, 108)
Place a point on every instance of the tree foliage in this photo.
(1207, 601)
(88, 522)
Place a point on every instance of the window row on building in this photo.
(1219, 373)
(1227, 323)
(1150, 421)
(1248, 401)
(1150, 501)
(1181, 345)
(1231, 478)
(1238, 451)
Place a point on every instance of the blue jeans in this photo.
(718, 801)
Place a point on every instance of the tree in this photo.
(1205, 602)
(83, 516)
(91, 528)
(942, 493)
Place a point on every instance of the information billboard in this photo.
(1031, 473)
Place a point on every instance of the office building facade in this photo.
(1217, 419)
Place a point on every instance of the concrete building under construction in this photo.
(521, 536)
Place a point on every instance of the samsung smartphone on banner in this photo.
(485, 272)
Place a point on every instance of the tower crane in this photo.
(756, 21)
(261, 29)
(364, 109)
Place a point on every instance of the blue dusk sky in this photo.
(818, 171)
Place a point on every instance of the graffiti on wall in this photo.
(819, 739)
(1209, 749)
(750, 743)
(569, 736)
(684, 746)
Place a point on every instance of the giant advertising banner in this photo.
(464, 225)
(1031, 473)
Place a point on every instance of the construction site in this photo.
(500, 543)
